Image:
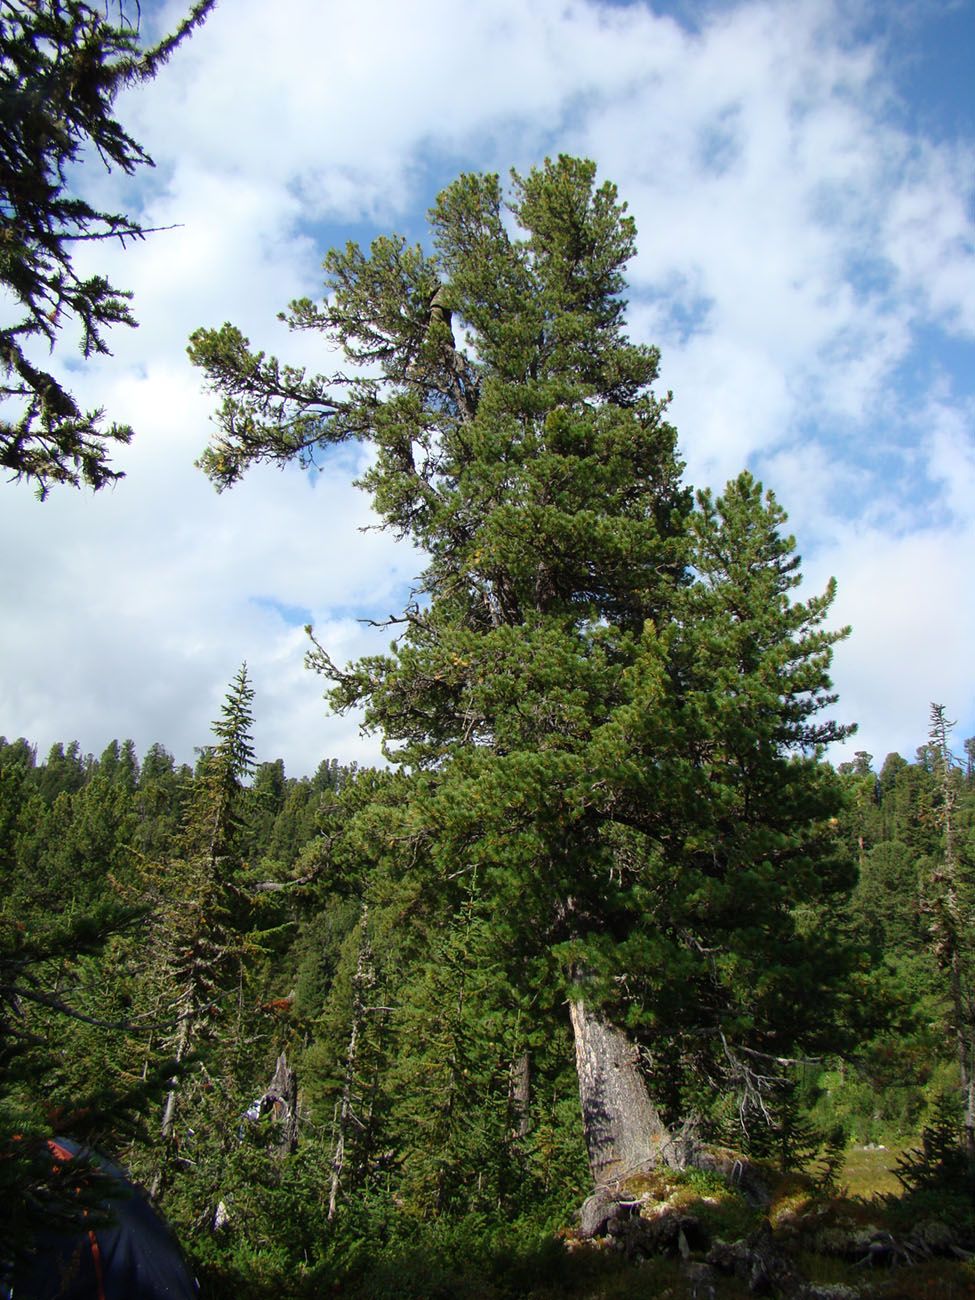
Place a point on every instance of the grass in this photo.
(868, 1171)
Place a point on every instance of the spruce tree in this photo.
(198, 937)
(950, 900)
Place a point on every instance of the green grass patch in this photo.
(868, 1171)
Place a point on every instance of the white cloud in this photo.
(913, 627)
(950, 450)
(929, 236)
(138, 604)
(793, 239)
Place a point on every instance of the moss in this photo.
(792, 1195)
(653, 1183)
(723, 1212)
(727, 1217)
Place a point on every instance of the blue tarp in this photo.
(135, 1257)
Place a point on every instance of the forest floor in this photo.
(867, 1241)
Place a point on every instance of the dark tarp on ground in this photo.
(136, 1257)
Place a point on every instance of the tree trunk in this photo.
(169, 1108)
(158, 1183)
(282, 1098)
(344, 1119)
(622, 1128)
(519, 1095)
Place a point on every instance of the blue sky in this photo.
(802, 173)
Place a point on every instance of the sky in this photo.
(802, 174)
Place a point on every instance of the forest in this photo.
(605, 982)
(431, 1143)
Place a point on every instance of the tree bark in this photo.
(519, 1095)
(282, 1098)
(623, 1129)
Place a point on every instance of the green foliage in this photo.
(450, 973)
(885, 1093)
(52, 1078)
(829, 1168)
(911, 829)
(787, 1137)
(941, 1163)
(62, 64)
(605, 718)
(604, 707)
(64, 772)
(452, 1112)
(199, 939)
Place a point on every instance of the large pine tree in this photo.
(603, 698)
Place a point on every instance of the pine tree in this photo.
(62, 64)
(721, 818)
(63, 772)
(621, 753)
(60, 1017)
(159, 804)
(451, 1080)
(266, 800)
(862, 817)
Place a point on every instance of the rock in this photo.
(596, 1211)
(934, 1236)
(666, 1231)
(832, 1240)
(861, 1244)
(740, 1173)
(756, 1261)
(877, 1248)
(701, 1279)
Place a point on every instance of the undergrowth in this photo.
(375, 1251)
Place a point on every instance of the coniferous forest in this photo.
(342, 1071)
(608, 983)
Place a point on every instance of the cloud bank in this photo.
(805, 264)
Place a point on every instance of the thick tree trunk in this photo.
(623, 1129)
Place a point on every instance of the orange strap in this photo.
(62, 1153)
(96, 1256)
